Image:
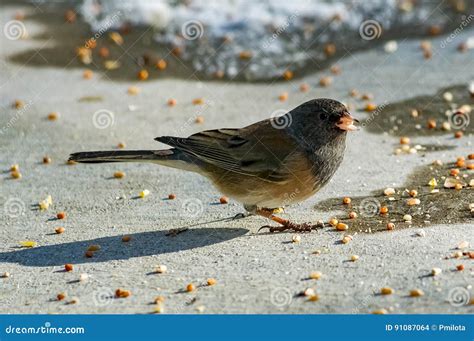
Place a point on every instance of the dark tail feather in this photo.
(121, 156)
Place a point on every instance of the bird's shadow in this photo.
(113, 248)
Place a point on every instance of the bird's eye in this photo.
(323, 116)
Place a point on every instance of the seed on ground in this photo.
(15, 168)
(119, 175)
(380, 312)
(172, 102)
(144, 193)
(120, 293)
(283, 96)
(171, 196)
(460, 267)
(346, 200)
(458, 134)
(61, 296)
(121, 145)
(346, 239)
(315, 275)
(16, 175)
(416, 293)
(53, 116)
(335, 69)
(211, 281)
(370, 107)
(313, 298)
(383, 210)
(431, 124)
(61, 215)
(89, 254)
(159, 299)
(190, 287)
(333, 222)
(352, 215)
(304, 87)
(224, 200)
(404, 140)
(126, 239)
(93, 248)
(198, 101)
(161, 64)
(389, 191)
(309, 292)
(161, 269)
(18, 104)
(296, 238)
(436, 271)
(413, 193)
(413, 201)
(5, 275)
(46, 159)
(354, 258)
(133, 90)
(199, 119)
(59, 230)
(68, 267)
(390, 226)
(341, 227)
(142, 75)
(104, 52)
(386, 291)
(325, 81)
(454, 171)
(87, 74)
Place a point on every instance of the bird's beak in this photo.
(346, 122)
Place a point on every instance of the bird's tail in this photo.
(123, 156)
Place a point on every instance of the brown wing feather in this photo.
(257, 150)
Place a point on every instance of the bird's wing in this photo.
(258, 150)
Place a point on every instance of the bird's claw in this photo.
(304, 227)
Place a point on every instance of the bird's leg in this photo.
(285, 224)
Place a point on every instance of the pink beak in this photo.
(346, 122)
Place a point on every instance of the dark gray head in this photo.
(320, 121)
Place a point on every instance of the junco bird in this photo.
(266, 165)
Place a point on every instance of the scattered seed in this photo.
(198, 101)
(413, 193)
(287, 75)
(28, 243)
(416, 293)
(89, 254)
(458, 134)
(341, 227)
(16, 175)
(370, 107)
(463, 245)
(389, 191)
(390, 226)
(224, 200)
(335, 70)
(161, 64)
(199, 119)
(70, 16)
(61, 215)
(407, 218)
(119, 175)
(313, 298)
(325, 81)
(346, 239)
(283, 96)
(61, 296)
(59, 230)
(73, 300)
(352, 215)
(296, 238)
(87, 74)
(144, 193)
(46, 159)
(413, 201)
(121, 145)
(383, 210)
(172, 102)
(454, 171)
(126, 239)
(431, 124)
(380, 312)
(458, 186)
(120, 293)
(18, 104)
(53, 116)
(460, 267)
(404, 140)
(159, 299)
(354, 258)
(133, 90)
(309, 292)
(346, 200)
(386, 291)
(171, 196)
(211, 281)
(93, 248)
(315, 275)
(161, 269)
(190, 287)
(436, 271)
(304, 87)
(333, 222)
(5, 275)
(68, 267)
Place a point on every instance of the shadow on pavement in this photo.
(113, 248)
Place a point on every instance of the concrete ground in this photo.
(255, 272)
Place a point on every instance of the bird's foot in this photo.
(288, 225)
